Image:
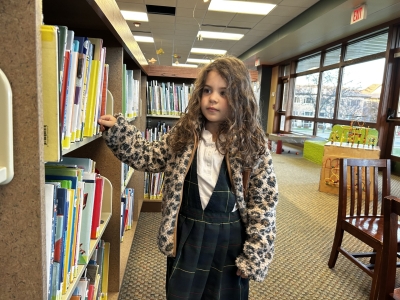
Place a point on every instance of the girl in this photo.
(218, 224)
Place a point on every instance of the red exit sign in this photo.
(358, 14)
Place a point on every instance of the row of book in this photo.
(75, 81)
(153, 182)
(93, 284)
(126, 174)
(130, 95)
(127, 204)
(74, 214)
(167, 98)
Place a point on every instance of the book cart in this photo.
(22, 222)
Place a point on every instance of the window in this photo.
(367, 46)
(305, 90)
(361, 89)
(308, 63)
(330, 87)
(328, 93)
(332, 56)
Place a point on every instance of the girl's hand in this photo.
(106, 122)
(240, 273)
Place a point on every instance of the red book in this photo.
(98, 200)
(91, 291)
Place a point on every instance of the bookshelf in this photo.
(178, 76)
(22, 200)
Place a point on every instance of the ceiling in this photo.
(291, 28)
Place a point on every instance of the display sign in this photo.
(358, 14)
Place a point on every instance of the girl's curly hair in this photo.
(243, 135)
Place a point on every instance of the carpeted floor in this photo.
(305, 229)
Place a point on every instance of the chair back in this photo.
(391, 212)
(359, 192)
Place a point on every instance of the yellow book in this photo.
(67, 254)
(104, 276)
(50, 74)
(91, 100)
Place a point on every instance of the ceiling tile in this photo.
(188, 12)
(242, 24)
(298, 3)
(132, 7)
(162, 26)
(287, 11)
(275, 20)
(215, 22)
(247, 18)
(186, 20)
(161, 18)
(197, 4)
(217, 15)
(162, 2)
(186, 33)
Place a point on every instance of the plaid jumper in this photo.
(209, 242)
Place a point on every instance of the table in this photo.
(329, 179)
(289, 138)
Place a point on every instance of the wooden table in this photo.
(329, 180)
(289, 138)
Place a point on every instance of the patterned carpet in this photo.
(305, 229)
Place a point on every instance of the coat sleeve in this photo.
(128, 145)
(262, 199)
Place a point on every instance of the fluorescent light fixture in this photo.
(219, 35)
(198, 60)
(241, 7)
(143, 39)
(184, 65)
(134, 16)
(208, 51)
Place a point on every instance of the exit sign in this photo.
(358, 14)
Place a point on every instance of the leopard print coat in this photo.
(257, 211)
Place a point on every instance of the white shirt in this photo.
(209, 162)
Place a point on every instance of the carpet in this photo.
(305, 229)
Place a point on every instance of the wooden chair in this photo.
(359, 198)
(391, 234)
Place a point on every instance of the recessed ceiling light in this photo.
(208, 51)
(143, 39)
(198, 60)
(184, 65)
(241, 7)
(134, 15)
(219, 35)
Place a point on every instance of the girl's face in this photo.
(214, 104)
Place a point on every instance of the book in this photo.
(104, 275)
(91, 99)
(51, 219)
(63, 94)
(80, 74)
(61, 231)
(85, 89)
(87, 215)
(50, 83)
(98, 200)
(73, 47)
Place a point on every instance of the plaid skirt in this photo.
(209, 241)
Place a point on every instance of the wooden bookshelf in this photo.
(22, 200)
